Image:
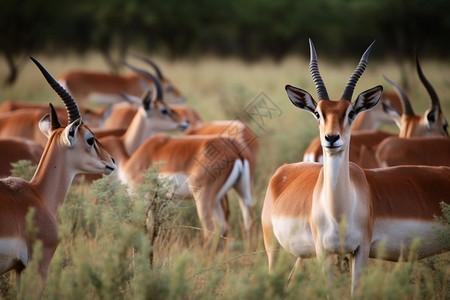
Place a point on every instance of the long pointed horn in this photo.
(350, 87)
(314, 70)
(151, 63)
(73, 112)
(406, 104)
(159, 93)
(433, 95)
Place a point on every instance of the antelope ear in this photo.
(45, 125)
(393, 113)
(70, 133)
(368, 99)
(301, 98)
(49, 122)
(431, 117)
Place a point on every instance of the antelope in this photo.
(69, 151)
(432, 124)
(306, 203)
(22, 123)
(242, 134)
(152, 116)
(204, 167)
(364, 143)
(429, 151)
(171, 93)
(15, 149)
(94, 118)
(122, 113)
(103, 87)
(379, 115)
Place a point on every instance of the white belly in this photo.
(294, 235)
(395, 238)
(180, 184)
(12, 250)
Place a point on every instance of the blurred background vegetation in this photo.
(249, 29)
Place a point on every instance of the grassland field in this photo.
(103, 253)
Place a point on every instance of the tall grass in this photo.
(106, 250)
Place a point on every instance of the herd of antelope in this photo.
(386, 188)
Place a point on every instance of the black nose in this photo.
(113, 160)
(332, 138)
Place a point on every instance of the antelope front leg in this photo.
(359, 260)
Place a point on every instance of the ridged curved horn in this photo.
(350, 87)
(314, 70)
(406, 104)
(159, 93)
(433, 95)
(151, 63)
(73, 112)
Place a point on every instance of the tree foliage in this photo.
(250, 29)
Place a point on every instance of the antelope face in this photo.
(96, 159)
(163, 118)
(335, 119)
(171, 93)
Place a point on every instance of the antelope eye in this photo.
(90, 141)
(317, 115)
(164, 111)
(351, 114)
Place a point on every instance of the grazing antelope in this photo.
(69, 151)
(15, 149)
(306, 203)
(104, 87)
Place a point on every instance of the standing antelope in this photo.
(104, 87)
(151, 117)
(306, 203)
(69, 151)
(364, 144)
(204, 167)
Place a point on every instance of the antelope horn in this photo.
(159, 93)
(350, 87)
(314, 70)
(433, 95)
(406, 104)
(151, 63)
(73, 112)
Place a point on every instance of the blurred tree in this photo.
(250, 29)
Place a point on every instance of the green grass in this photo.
(105, 247)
